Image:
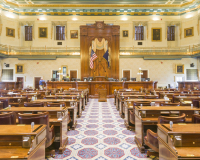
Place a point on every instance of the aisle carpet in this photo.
(101, 135)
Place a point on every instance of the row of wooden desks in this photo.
(78, 104)
(146, 117)
(181, 142)
(121, 108)
(21, 142)
(58, 117)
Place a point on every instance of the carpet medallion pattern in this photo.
(101, 135)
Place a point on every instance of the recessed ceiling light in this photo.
(74, 19)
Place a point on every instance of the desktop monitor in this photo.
(147, 79)
(84, 78)
(78, 79)
(73, 79)
(133, 79)
(124, 79)
(53, 79)
(66, 79)
(110, 79)
(90, 78)
(142, 79)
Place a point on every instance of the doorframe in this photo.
(34, 80)
(127, 70)
(74, 70)
(23, 79)
(52, 71)
(147, 73)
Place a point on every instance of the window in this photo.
(60, 32)
(139, 33)
(28, 33)
(171, 33)
(192, 74)
(55, 74)
(7, 74)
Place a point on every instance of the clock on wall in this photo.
(100, 25)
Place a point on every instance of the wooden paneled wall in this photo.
(99, 30)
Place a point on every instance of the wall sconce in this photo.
(140, 72)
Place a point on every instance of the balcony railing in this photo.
(186, 50)
(74, 51)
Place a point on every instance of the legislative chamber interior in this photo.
(100, 80)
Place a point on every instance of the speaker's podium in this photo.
(100, 78)
(102, 95)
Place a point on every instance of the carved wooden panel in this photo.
(87, 35)
(102, 95)
(64, 86)
(99, 86)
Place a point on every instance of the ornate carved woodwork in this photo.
(94, 86)
(99, 30)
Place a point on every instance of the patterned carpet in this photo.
(101, 135)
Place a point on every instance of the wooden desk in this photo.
(185, 98)
(123, 112)
(13, 101)
(11, 142)
(95, 85)
(179, 142)
(147, 118)
(10, 85)
(74, 96)
(73, 110)
(188, 85)
(60, 125)
(81, 92)
(121, 94)
(100, 78)
(123, 98)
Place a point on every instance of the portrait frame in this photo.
(154, 37)
(179, 68)
(41, 34)
(74, 34)
(8, 32)
(125, 33)
(188, 32)
(19, 69)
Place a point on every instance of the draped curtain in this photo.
(172, 23)
(58, 23)
(140, 23)
(24, 23)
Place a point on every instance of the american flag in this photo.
(93, 56)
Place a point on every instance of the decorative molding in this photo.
(99, 5)
(0, 26)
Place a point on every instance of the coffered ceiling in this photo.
(144, 2)
(100, 7)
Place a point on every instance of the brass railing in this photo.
(185, 50)
(74, 51)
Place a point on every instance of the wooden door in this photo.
(73, 74)
(37, 80)
(21, 79)
(126, 74)
(145, 74)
